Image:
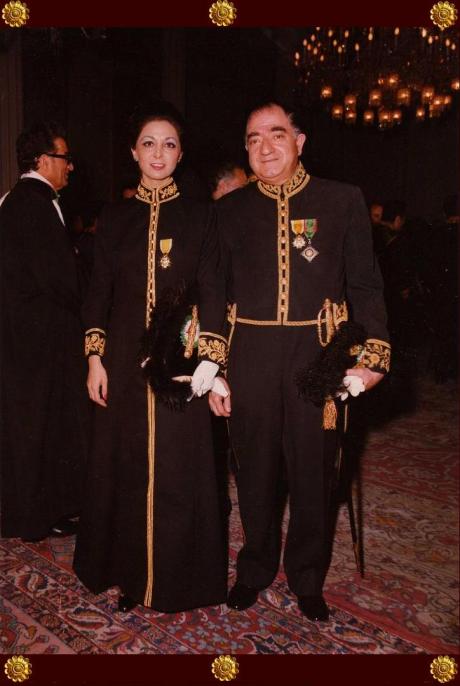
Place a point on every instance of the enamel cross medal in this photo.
(165, 247)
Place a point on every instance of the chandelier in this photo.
(379, 76)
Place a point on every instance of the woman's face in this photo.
(157, 152)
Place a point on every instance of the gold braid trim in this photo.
(95, 342)
(213, 347)
(163, 194)
(375, 355)
(294, 185)
(331, 315)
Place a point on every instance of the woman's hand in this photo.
(97, 381)
(203, 377)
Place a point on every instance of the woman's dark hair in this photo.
(158, 110)
(34, 141)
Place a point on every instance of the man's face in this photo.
(56, 169)
(376, 213)
(273, 145)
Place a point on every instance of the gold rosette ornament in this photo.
(222, 13)
(443, 14)
(18, 668)
(15, 13)
(443, 668)
(225, 668)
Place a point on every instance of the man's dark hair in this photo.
(224, 170)
(391, 210)
(292, 114)
(157, 110)
(34, 141)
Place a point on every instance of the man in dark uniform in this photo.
(43, 399)
(297, 250)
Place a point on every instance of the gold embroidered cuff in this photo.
(95, 342)
(375, 356)
(213, 347)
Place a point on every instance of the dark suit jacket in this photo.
(42, 369)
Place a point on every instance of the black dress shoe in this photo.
(241, 597)
(64, 527)
(125, 603)
(33, 540)
(314, 608)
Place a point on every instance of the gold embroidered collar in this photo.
(298, 180)
(162, 194)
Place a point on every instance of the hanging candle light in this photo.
(326, 92)
(385, 119)
(337, 112)
(375, 97)
(350, 116)
(368, 117)
(427, 94)
(420, 113)
(350, 101)
(403, 96)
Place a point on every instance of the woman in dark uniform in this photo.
(151, 523)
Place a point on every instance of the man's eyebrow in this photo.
(252, 134)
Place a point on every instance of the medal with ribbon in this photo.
(304, 230)
(165, 247)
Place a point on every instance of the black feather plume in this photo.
(323, 378)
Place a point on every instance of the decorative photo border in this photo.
(244, 670)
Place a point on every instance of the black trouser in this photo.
(270, 422)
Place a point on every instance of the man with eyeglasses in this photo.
(43, 404)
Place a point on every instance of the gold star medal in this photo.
(311, 227)
(443, 668)
(443, 14)
(15, 13)
(222, 13)
(165, 247)
(18, 668)
(225, 668)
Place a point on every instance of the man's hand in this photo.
(369, 378)
(221, 406)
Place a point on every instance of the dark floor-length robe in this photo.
(151, 523)
(43, 393)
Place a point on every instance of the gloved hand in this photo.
(219, 388)
(203, 377)
(353, 385)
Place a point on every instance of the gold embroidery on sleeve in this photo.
(375, 355)
(213, 347)
(95, 342)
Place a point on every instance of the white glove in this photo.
(354, 385)
(219, 388)
(203, 377)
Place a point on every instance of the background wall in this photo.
(92, 78)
